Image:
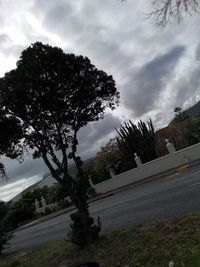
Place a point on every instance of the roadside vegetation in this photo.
(14, 214)
(175, 242)
(143, 139)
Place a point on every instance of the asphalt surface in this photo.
(167, 197)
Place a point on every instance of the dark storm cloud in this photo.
(84, 31)
(97, 133)
(27, 168)
(59, 16)
(145, 86)
(102, 32)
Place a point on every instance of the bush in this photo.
(80, 236)
(3, 209)
(63, 203)
(192, 132)
(17, 214)
(48, 211)
(91, 192)
(4, 237)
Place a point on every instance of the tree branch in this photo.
(165, 11)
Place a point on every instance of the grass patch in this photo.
(153, 245)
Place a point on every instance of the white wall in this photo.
(151, 168)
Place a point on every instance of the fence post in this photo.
(37, 204)
(44, 203)
(170, 146)
(111, 171)
(137, 159)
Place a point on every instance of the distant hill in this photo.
(193, 111)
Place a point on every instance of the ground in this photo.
(157, 244)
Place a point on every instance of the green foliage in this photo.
(18, 213)
(56, 193)
(3, 210)
(4, 235)
(52, 194)
(97, 174)
(180, 115)
(108, 156)
(63, 203)
(55, 94)
(83, 231)
(48, 211)
(192, 132)
(10, 134)
(91, 192)
(137, 139)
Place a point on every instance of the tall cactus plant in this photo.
(138, 139)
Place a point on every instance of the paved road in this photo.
(164, 198)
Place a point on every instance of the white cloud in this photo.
(10, 190)
(151, 77)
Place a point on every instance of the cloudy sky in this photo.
(154, 70)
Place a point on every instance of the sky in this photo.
(155, 70)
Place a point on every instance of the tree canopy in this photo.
(10, 136)
(53, 95)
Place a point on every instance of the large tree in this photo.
(54, 94)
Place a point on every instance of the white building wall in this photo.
(151, 168)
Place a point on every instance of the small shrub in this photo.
(16, 215)
(63, 203)
(91, 192)
(4, 238)
(79, 234)
(48, 211)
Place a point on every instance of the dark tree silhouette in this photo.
(180, 115)
(55, 94)
(10, 135)
(138, 139)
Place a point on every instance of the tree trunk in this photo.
(83, 231)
